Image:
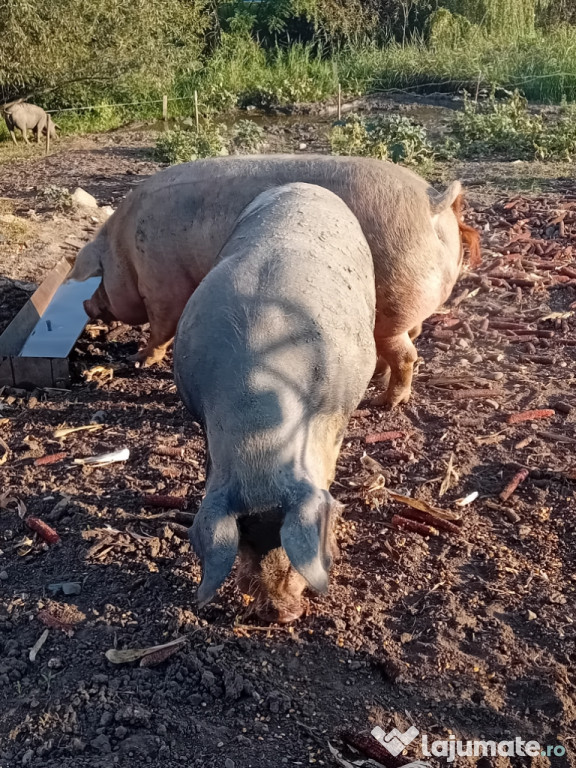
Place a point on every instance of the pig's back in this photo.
(282, 328)
(181, 218)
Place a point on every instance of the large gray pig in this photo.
(166, 235)
(27, 117)
(273, 352)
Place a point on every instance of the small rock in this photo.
(3, 575)
(54, 663)
(302, 145)
(141, 744)
(120, 732)
(77, 745)
(107, 210)
(229, 763)
(81, 197)
(27, 758)
(532, 616)
(101, 743)
(106, 718)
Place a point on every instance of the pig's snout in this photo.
(97, 310)
(274, 585)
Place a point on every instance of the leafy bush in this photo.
(57, 198)
(180, 146)
(394, 138)
(73, 50)
(247, 136)
(509, 130)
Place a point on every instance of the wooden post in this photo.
(164, 107)
(196, 111)
(478, 87)
(48, 124)
(339, 101)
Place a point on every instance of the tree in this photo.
(72, 47)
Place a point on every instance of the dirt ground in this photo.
(468, 633)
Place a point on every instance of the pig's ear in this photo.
(441, 201)
(306, 536)
(214, 538)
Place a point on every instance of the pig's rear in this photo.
(273, 353)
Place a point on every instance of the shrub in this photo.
(58, 198)
(509, 130)
(394, 138)
(181, 146)
(247, 136)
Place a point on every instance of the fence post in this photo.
(478, 87)
(165, 107)
(339, 101)
(196, 111)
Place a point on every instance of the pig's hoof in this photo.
(143, 360)
(391, 399)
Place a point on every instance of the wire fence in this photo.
(408, 90)
(120, 104)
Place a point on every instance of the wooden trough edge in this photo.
(16, 371)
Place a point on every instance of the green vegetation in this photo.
(394, 138)
(247, 137)
(507, 129)
(182, 146)
(274, 52)
(57, 198)
(502, 130)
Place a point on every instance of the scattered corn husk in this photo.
(65, 431)
(24, 546)
(451, 475)
(374, 486)
(465, 500)
(133, 654)
(373, 466)
(6, 449)
(339, 759)
(443, 514)
(98, 373)
(557, 316)
(495, 437)
(106, 458)
(6, 500)
(38, 644)
(53, 622)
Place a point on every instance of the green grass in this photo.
(240, 72)
(542, 66)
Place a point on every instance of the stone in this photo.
(83, 198)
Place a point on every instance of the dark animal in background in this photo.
(28, 117)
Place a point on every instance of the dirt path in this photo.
(470, 633)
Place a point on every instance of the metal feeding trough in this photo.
(34, 348)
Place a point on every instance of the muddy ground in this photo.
(469, 633)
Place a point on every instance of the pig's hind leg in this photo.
(399, 354)
(382, 372)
